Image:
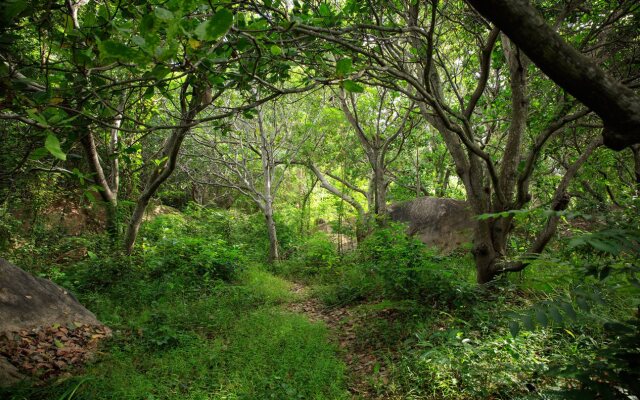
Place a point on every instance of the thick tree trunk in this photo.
(511, 157)
(616, 104)
(380, 190)
(484, 253)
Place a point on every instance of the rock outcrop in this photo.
(35, 313)
(439, 222)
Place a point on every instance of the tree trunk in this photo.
(161, 173)
(273, 236)
(108, 197)
(615, 103)
(484, 253)
(380, 189)
(134, 224)
(517, 127)
(636, 163)
(418, 182)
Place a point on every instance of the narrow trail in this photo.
(363, 368)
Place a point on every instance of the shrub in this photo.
(391, 264)
(397, 258)
(194, 257)
(315, 253)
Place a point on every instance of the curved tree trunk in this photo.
(615, 103)
(161, 173)
(107, 195)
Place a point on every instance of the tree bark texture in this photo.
(616, 104)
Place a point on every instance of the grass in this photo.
(197, 317)
(223, 341)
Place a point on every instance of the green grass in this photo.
(181, 332)
(223, 341)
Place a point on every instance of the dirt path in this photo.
(343, 323)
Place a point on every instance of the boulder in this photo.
(36, 309)
(160, 209)
(28, 302)
(439, 222)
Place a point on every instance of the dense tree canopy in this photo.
(128, 83)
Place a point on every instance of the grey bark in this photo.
(616, 104)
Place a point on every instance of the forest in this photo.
(341, 199)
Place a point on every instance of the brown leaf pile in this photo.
(46, 352)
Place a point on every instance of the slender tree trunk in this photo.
(108, 197)
(134, 224)
(273, 235)
(157, 178)
(305, 209)
(418, 183)
(169, 153)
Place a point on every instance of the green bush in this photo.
(389, 264)
(397, 258)
(204, 258)
(316, 254)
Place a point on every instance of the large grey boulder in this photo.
(439, 222)
(36, 309)
(27, 301)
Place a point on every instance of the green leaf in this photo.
(351, 86)
(147, 24)
(58, 344)
(528, 323)
(324, 10)
(118, 51)
(11, 9)
(604, 246)
(343, 67)
(163, 13)
(541, 317)
(139, 40)
(569, 311)
(37, 116)
(276, 50)
(160, 71)
(215, 27)
(38, 153)
(582, 303)
(555, 314)
(149, 92)
(514, 328)
(53, 145)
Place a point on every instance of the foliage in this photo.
(392, 265)
(315, 255)
(207, 258)
(241, 113)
